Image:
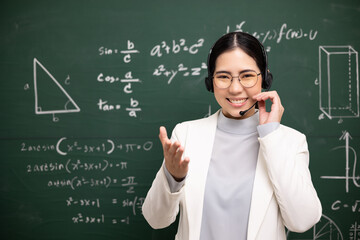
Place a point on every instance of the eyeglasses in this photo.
(247, 79)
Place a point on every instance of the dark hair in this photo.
(246, 42)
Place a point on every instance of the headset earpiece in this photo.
(267, 77)
(266, 84)
(208, 79)
(208, 84)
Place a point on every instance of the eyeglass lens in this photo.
(247, 79)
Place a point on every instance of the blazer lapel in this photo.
(261, 196)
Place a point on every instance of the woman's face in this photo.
(236, 98)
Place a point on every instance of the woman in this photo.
(238, 174)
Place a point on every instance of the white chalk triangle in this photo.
(63, 104)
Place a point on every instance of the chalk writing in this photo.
(75, 165)
(181, 69)
(106, 106)
(132, 110)
(337, 205)
(130, 183)
(348, 175)
(176, 47)
(101, 219)
(40, 108)
(135, 203)
(107, 147)
(45, 167)
(332, 104)
(80, 218)
(124, 220)
(78, 182)
(277, 34)
(83, 202)
(67, 80)
(104, 51)
(134, 107)
(127, 80)
(65, 146)
(36, 147)
(101, 166)
(354, 233)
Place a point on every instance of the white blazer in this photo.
(283, 193)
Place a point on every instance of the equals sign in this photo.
(125, 220)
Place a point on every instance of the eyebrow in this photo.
(246, 70)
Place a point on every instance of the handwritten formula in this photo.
(78, 165)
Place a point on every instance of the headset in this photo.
(267, 76)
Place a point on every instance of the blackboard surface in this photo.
(85, 86)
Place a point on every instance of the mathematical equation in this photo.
(354, 232)
(134, 204)
(106, 105)
(127, 80)
(283, 32)
(64, 146)
(77, 182)
(80, 175)
(75, 165)
(127, 53)
(176, 47)
(337, 205)
(171, 73)
(133, 107)
(80, 218)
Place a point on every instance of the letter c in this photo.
(334, 205)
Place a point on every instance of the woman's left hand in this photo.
(276, 111)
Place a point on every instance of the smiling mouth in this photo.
(237, 101)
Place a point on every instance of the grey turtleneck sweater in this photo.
(230, 177)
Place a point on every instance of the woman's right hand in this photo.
(173, 152)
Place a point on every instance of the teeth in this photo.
(237, 101)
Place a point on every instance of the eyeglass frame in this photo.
(238, 77)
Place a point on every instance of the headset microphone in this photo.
(242, 113)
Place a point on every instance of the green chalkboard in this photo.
(85, 86)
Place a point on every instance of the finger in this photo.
(173, 148)
(185, 162)
(162, 133)
(164, 138)
(178, 154)
(257, 96)
(275, 99)
(277, 108)
(262, 106)
(264, 96)
(261, 97)
(272, 96)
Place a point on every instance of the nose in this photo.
(235, 86)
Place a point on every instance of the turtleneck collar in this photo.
(238, 126)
